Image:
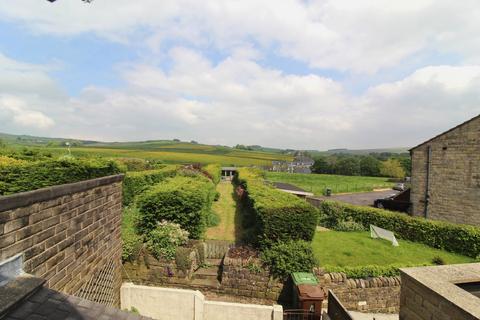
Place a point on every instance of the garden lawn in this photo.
(317, 183)
(226, 209)
(343, 249)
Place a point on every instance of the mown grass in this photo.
(225, 208)
(317, 183)
(350, 249)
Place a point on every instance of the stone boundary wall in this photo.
(67, 235)
(377, 295)
(246, 277)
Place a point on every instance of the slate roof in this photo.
(48, 304)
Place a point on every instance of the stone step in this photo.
(205, 283)
(206, 273)
(213, 262)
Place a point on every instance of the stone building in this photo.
(446, 175)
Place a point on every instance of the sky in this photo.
(289, 74)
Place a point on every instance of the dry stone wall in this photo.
(378, 295)
(68, 235)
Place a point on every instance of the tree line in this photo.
(373, 165)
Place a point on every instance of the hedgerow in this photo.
(213, 171)
(280, 216)
(131, 241)
(26, 176)
(461, 239)
(136, 182)
(138, 164)
(183, 200)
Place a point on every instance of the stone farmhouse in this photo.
(446, 175)
(300, 164)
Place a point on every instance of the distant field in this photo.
(317, 183)
(180, 153)
(343, 249)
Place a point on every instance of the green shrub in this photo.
(136, 182)
(214, 172)
(27, 176)
(461, 239)
(438, 261)
(349, 226)
(162, 242)
(183, 260)
(131, 241)
(279, 216)
(283, 258)
(362, 272)
(213, 219)
(183, 200)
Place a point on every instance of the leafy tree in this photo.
(321, 165)
(406, 165)
(369, 166)
(348, 166)
(392, 168)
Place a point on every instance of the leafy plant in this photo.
(438, 260)
(162, 242)
(131, 241)
(283, 258)
(183, 260)
(349, 226)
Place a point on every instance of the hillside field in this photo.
(181, 153)
(317, 183)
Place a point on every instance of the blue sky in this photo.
(317, 74)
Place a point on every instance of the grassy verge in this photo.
(352, 249)
(317, 183)
(226, 208)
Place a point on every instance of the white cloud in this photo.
(356, 36)
(18, 111)
(239, 101)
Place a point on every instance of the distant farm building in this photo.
(446, 175)
(300, 164)
(228, 172)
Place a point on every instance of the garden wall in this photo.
(178, 304)
(68, 235)
(374, 295)
(246, 278)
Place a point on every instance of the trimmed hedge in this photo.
(461, 239)
(280, 216)
(214, 172)
(26, 176)
(136, 182)
(183, 200)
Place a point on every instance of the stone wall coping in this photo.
(27, 198)
(442, 279)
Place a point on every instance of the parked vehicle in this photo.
(399, 202)
(400, 187)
